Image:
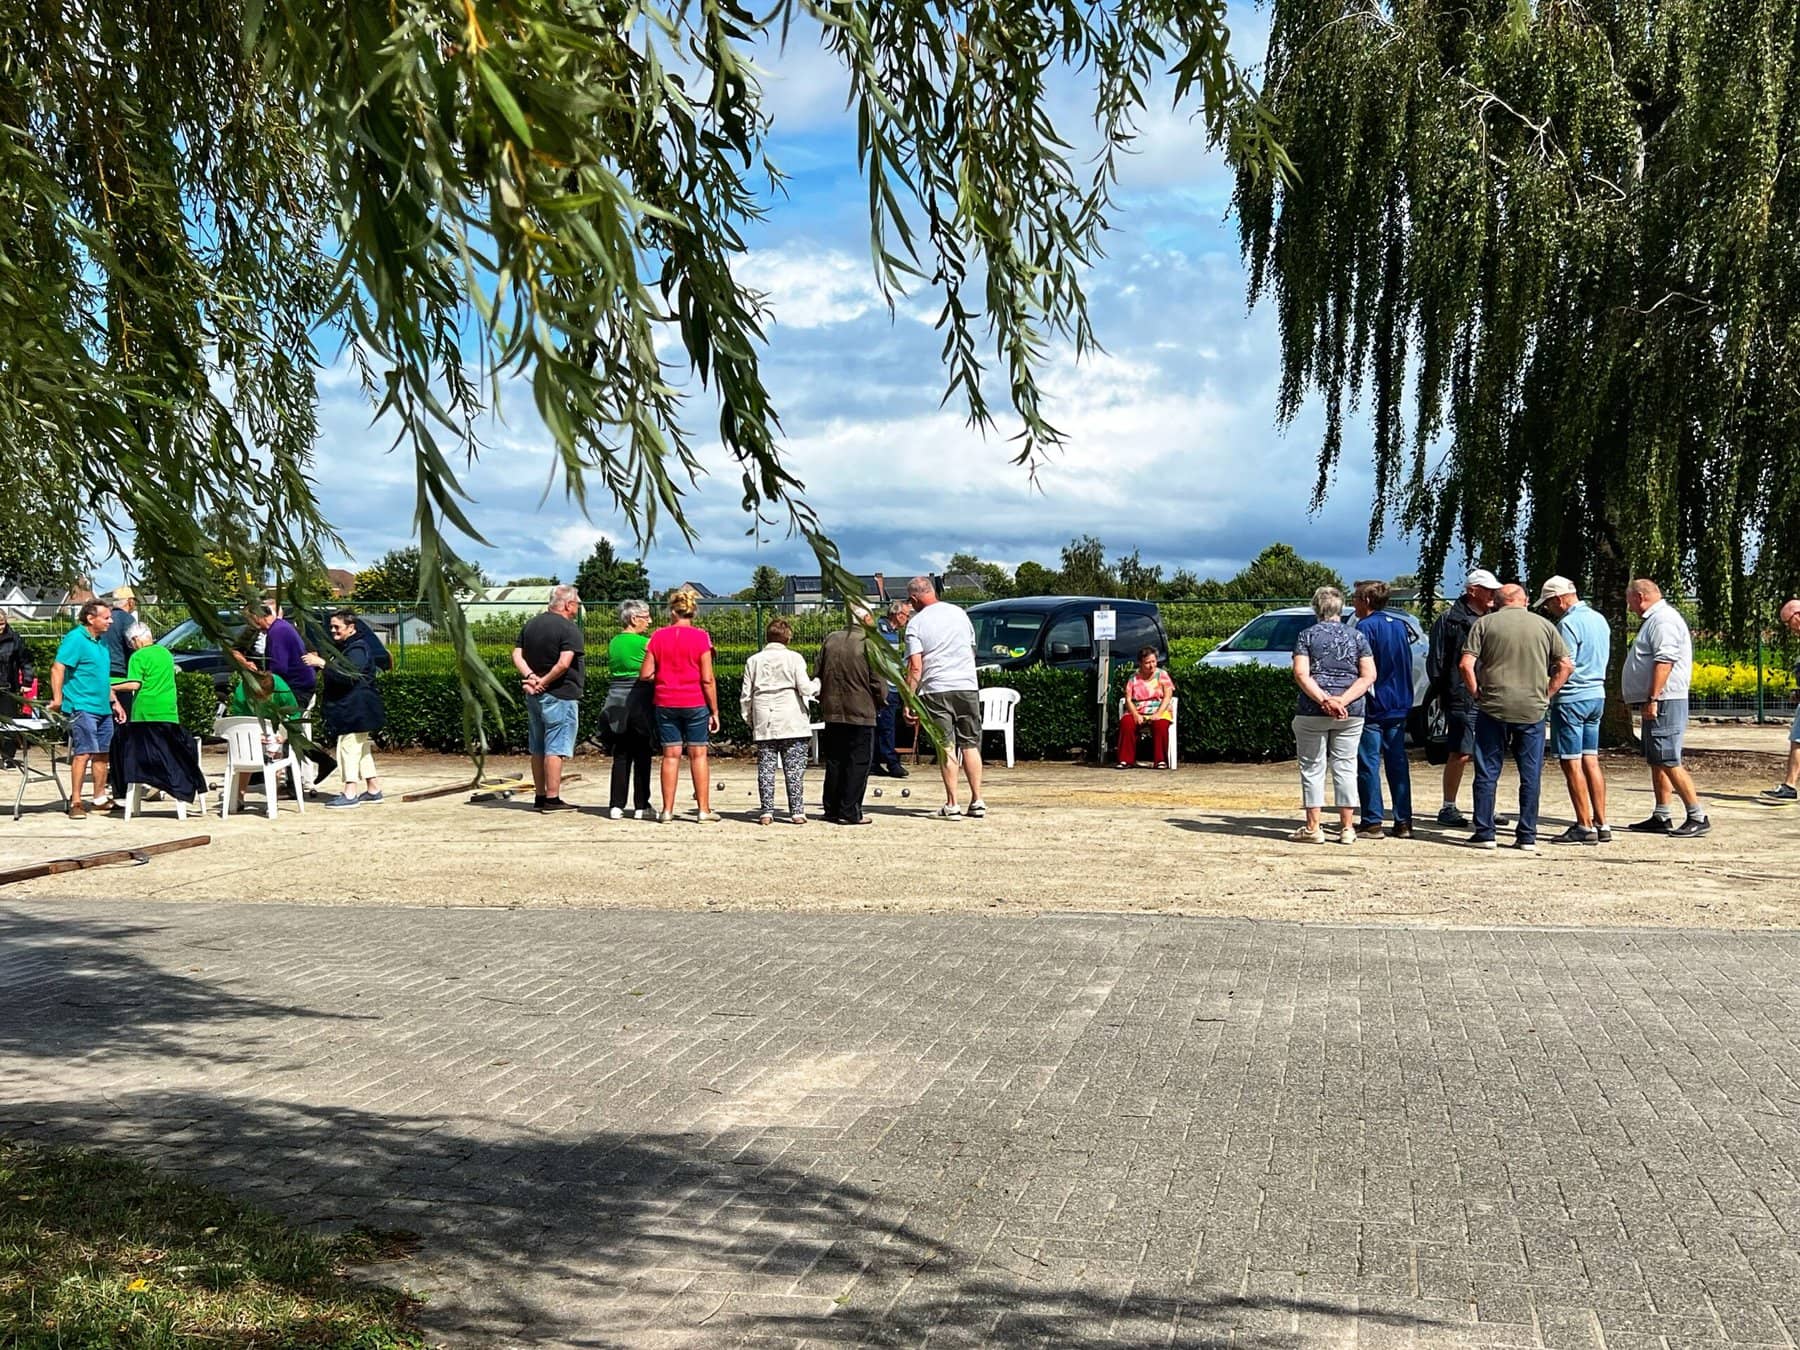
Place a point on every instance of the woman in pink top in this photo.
(1149, 701)
(680, 660)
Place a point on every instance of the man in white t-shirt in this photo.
(940, 669)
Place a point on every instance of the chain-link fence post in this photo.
(1759, 678)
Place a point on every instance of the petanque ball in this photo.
(877, 792)
(906, 792)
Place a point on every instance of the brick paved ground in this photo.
(641, 1129)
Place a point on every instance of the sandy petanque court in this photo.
(1207, 839)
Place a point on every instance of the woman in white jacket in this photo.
(775, 691)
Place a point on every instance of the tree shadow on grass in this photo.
(74, 988)
(618, 1239)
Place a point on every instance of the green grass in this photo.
(97, 1251)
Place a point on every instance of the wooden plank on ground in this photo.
(109, 858)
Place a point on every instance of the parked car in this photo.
(1268, 640)
(1058, 630)
(195, 650)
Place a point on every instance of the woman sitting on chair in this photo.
(1149, 701)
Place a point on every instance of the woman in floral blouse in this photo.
(1149, 701)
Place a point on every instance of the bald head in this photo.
(1642, 594)
(920, 591)
(1790, 615)
(1513, 597)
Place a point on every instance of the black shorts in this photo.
(1459, 730)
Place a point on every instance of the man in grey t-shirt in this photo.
(940, 669)
(1657, 671)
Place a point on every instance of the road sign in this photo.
(1106, 625)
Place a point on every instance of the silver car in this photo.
(1268, 640)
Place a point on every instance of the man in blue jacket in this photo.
(1385, 711)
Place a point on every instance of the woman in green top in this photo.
(625, 719)
(150, 673)
(264, 694)
(153, 750)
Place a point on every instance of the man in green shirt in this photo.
(1513, 662)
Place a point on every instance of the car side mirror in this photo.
(1060, 651)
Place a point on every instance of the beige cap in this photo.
(1483, 578)
(124, 593)
(1554, 587)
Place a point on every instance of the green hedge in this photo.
(1241, 713)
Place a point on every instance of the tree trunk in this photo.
(1612, 575)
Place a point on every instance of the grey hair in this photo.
(561, 595)
(898, 605)
(920, 587)
(139, 632)
(1328, 604)
(629, 610)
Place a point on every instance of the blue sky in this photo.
(1172, 444)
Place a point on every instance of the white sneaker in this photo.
(978, 808)
(642, 814)
(614, 813)
(949, 811)
(1306, 836)
(1348, 835)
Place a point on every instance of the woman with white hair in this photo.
(627, 719)
(1334, 667)
(152, 748)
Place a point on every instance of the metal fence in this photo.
(1751, 681)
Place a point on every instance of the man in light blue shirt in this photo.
(1576, 709)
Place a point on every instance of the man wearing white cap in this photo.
(1442, 669)
(118, 651)
(1788, 789)
(1576, 709)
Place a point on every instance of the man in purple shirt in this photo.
(283, 649)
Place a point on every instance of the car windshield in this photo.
(1269, 633)
(1005, 635)
(188, 637)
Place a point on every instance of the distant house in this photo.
(804, 593)
(506, 602)
(343, 581)
(40, 602)
(701, 589)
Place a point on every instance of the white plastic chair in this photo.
(243, 737)
(134, 795)
(1174, 730)
(1000, 712)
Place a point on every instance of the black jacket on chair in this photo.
(15, 670)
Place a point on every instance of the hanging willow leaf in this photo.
(478, 194)
(1566, 228)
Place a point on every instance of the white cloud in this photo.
(810, 286)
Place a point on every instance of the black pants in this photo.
(848, 751)
(631, 769)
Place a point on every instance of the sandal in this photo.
(765, 820)
(797, 819)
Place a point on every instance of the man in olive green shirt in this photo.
(1513, 663)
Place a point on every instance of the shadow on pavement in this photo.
(612, 1239)
(73, 988)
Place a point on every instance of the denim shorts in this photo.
(1664, 733)
(553, 722)
(1575, 727)
(682, 726)
(90, 733)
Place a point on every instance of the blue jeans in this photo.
(885, 721)
(1494, 741)
(1383, 745)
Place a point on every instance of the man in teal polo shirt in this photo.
(81, 689)
(1575, 711)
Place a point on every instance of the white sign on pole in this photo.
(1106, 625)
